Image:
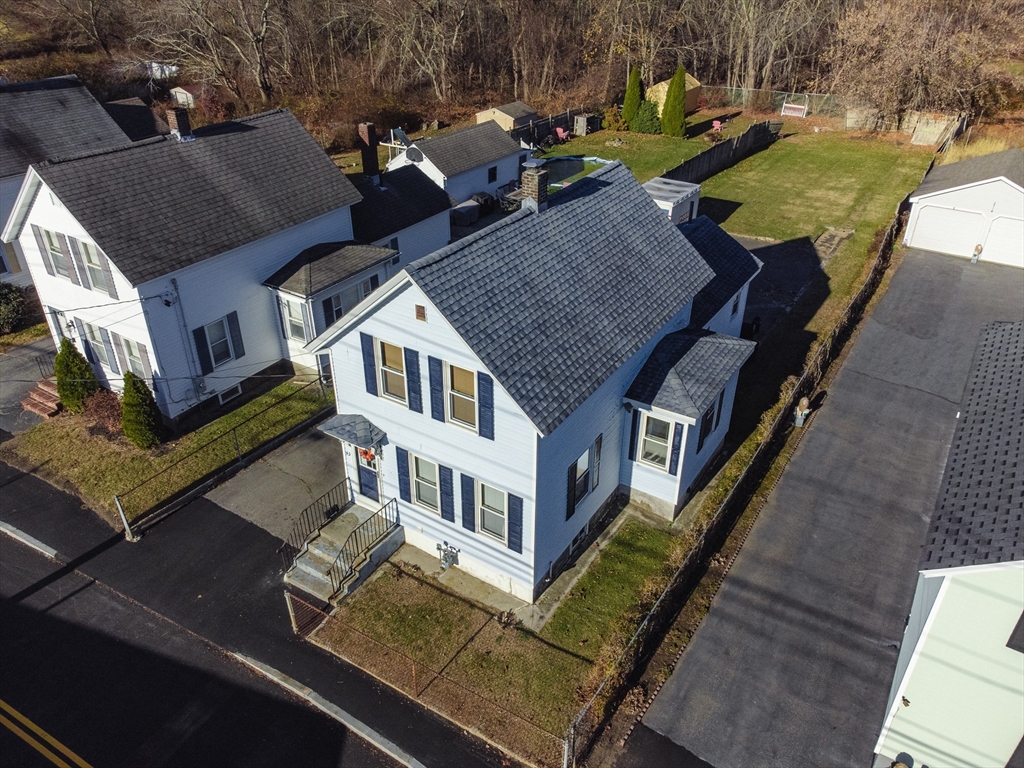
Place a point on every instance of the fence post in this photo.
(238, 451)
(124, 520)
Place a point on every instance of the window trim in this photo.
(588, 454)
(643, 437)
(450, 393)
(99, 350)
(57, 257)
(229, 394)
(379, 357)
(363, 290)
(478, 502)
(414, 480)
(97, 277)
(223, 322)
(126, 345)
(290, 306)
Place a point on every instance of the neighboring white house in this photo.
(463, 163)
(508, 116)
(154, 257)
(957, 698)
(39, 120)
(679, 199)
(973, 207)
(505, 387)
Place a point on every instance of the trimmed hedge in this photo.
(75, 378)
(140, 418)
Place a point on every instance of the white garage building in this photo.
(976, 203)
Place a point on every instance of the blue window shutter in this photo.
(404, 489)
(436, 372)
(595, 471)
(485, 393)
(43, 252)
(79, 262)
(634, 429)
(203, 350)
(369, 365)
(515, 524)
(328, 305)
(109, 348)
(236, 335)
(677, 441)
(468, 503)
(105, 266)
(72, 272)
(86, 346)
(447, 483)
(412, 380)
(570, 494)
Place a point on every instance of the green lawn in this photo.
(69, 449)
(9, 341)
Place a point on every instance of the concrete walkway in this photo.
(18, 374)
(794, 662)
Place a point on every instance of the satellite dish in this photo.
(414, 155)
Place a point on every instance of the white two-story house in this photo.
(157, 257)
(505, 387)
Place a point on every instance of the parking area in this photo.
(19, 372)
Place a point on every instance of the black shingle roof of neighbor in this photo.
(158, 205)
(554, 303)
(41, 119)
(516, 110)
(469, 148)
(687, 370)
(325, 264)
(1008, 163)
(979, 514)
(136, 119)
(733, 264)
(404, 197)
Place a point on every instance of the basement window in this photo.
(230, 394)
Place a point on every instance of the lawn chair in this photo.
(562, 134)
(716, 126)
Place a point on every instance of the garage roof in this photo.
(1008, 164)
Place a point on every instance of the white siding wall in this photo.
(465, 185)
(420, 239)
(506, 462)
(425, 165)
(692, 462)
(725, 321)
(653, 485)
(230, 282)
(9, 188)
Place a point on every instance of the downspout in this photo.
(192, 368)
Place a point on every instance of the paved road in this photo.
(219, 576)
(120, 686)
(794, 662)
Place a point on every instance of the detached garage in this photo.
(974, 206)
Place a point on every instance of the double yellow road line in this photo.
(38, 739)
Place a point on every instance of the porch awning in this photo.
(353, 428)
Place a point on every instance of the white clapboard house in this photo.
(506, 386)
(204, 261)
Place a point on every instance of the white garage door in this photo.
(948, 231)
(1005, 242)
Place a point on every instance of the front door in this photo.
(367, 461)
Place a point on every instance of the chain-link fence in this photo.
(231, 447)
(587, 724)
(756, 100)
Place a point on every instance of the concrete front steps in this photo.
(310, 570)
(43, 399)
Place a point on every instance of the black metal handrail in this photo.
(362, 539)
(313, 518)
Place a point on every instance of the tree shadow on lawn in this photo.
(693, 130)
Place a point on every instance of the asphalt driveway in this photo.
(794, 662)
(19, 372)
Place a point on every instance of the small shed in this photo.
(972, 208)
(678, 198)
(509, 116)
(658, 91)
(186, 95)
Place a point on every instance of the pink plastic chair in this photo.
(716, 126)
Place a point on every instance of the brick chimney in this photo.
(177, 119)
(368, 148)
(535, 185)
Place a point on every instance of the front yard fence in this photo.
(597, 712)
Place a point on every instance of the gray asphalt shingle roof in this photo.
(136, 119)
(325, 264)
(1008, 163)
(733, 264)
(469, 148)
(158, 205)
(687, 370)
(555, 302)
(979, 515)
(55, 117)
(404, 197)
(516, 110)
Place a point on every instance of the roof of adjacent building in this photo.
(1008, 164)
(979, 515)
(687, 370)
(670, 190)
(515, 110)
(555, 302)
(464, 150)
(136, 119)
(42, 119)
(325, 264)
(733, 264)
(159, 205)
(404, 197)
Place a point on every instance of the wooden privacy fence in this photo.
(726, 153)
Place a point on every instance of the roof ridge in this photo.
(50, 162)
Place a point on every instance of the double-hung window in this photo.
(91, 259)
(392, 371)
(462, 396)
(294, 321)
(493, 511)
(654, 440)
(735, 304)
(368, 286)
(707, 426)
(424, 484)
(92, 333)
(133, 356)
(57, 258)
(219, 339)
(492, 174)
(582, 475)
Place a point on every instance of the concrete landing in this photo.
(309, 572)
